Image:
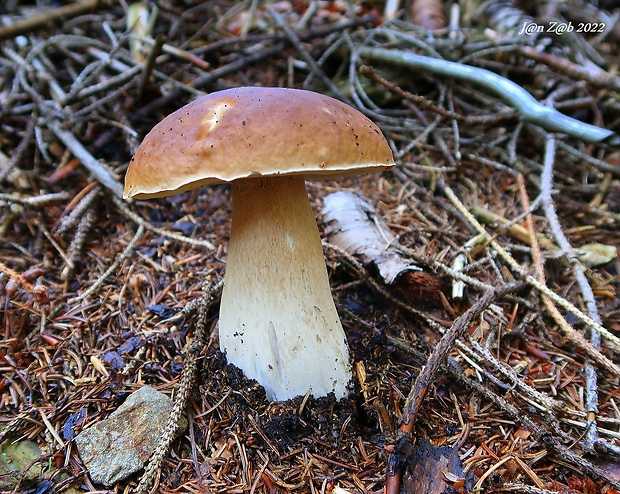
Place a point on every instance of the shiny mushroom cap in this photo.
(251, 132)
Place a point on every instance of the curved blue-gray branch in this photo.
(530, 109)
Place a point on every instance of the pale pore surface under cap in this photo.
(251, 131)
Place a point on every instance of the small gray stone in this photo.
(118, 446)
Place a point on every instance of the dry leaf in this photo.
(596, 254)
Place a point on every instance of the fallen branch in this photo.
(19, 150)
(425, 378)
(612, 339)
(44, 19)
(531, 110)
(426, 104)
(99, 170)
(587, 294)
(17, 277)
(592, 74)
(113, 267)
(543, 431)
(305, 54)
(515, 230)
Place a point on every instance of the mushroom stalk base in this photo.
(278, 322)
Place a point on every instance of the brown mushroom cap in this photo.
(251, 132)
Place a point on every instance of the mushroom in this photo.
(278, 322)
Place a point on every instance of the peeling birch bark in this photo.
(352, 223)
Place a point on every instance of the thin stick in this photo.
(305, 54)
(546, 186)
(136, 218)
(591, 73)
(14, 275)
(99, 170)
(124, 255)
(543, 431)
(546, 194)
(15, 425)
(147, 69)
(425, 378)
(19, 150)
(612, 339)
(209, 77)
(591, 160)
(43, 19)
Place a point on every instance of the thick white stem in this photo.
(278, 322)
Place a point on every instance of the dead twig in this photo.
(579, 271)
(421, 101)
(20, 149)
(34, 201)
(136, 218)
(84, 202)
(530, 109)
(592, 74)
(591, 160)
(543, 431)
(77, 242)
(98, 169)
(112, 268)
(14, 425)
(612, 339)
(314, 66)
(210, 77)
(44, 19)
(425, 378)
(17, 277)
